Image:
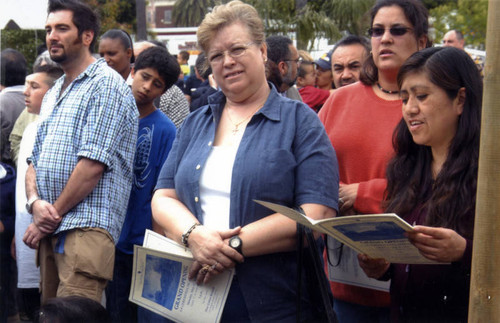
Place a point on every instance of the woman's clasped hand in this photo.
(212, 253)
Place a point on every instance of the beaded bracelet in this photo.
(185, 235)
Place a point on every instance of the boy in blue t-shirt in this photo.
(155, 71)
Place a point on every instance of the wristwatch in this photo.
(236, 243)
(29, 204)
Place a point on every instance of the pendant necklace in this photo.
(235, 129)
(386, 91)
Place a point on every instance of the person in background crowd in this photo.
(193, 81)
(28, 283)
(183, 58)
(116, 47)
(173, 102)
(223, 158)
(305, 56)
(347, 58)
(81, 167)
(324, 78)
(12, 74)
(455, 38)
(140, 46)
(74, 309)
(8, 306)
(359, 119)
(306, 79)
(431, 182)
(43, 59)
(159, 43)
(284, 59)
(25, 118)
(207, 88)
(154, 72)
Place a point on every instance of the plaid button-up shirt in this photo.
(96, 118)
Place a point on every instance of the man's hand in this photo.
(33, 235)
(45, 216)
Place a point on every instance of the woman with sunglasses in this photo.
(432, 184)
(359, 120)
(248, 143)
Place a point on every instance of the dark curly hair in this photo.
(159, 58)
(450, 198)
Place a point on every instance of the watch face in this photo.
(235, 242)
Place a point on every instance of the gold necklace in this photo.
(235, 130)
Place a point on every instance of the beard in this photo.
(58, 58)
(61, 58)
(288, 80)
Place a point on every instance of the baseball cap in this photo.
(325, 61)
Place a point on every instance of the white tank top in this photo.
(215, 186)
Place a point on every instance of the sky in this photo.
(28, 14)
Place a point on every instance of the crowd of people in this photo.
(97, 148)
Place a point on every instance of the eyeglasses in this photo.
(234, 52)
(395, 31)
(298, 60)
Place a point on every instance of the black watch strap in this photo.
(236, 243)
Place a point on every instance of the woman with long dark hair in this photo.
(359, 119)
(432, 184)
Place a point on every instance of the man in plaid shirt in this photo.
(79, 179)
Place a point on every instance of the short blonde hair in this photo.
(225, 15)
(305, 56)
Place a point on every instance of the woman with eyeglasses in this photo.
(359, 119)
(432, 184)
(248, 143)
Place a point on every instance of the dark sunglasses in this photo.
(395, 31)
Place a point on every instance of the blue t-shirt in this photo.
(154, 140)
(284, 157)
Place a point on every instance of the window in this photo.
(168, 16)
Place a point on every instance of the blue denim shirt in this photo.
(284, 157)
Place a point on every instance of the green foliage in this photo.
(25, 41)
(115, 14)
(468, 16)
(312, 24)
(350, 16)
(312, 19)
(188, 13)
(285, 17)
(431, 4)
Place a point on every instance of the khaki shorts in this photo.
(83, 269)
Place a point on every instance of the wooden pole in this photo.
(140, 10)
(484, 303)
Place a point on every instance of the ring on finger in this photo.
(214, 266)
(204, 270)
